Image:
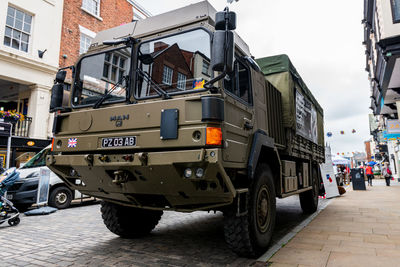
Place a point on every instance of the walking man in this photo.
(370, 174)
(387, 173)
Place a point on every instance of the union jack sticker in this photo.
(72, 142)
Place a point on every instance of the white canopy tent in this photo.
(338, 160)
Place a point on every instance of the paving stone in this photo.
(315, 241)
(350, 249)
(300, 256)
(280, 265)
(340, 259)
(300, 245)
(345, 237)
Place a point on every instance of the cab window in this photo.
(238, 82)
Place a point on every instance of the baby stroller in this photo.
(7, 210)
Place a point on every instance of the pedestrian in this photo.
(387, 173)
(370, 174)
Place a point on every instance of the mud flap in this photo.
(242, 202)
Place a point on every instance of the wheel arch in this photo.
(263, 150)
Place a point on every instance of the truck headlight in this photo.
(187, 173)
(72, 172)
(199, 173)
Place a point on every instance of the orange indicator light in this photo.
(214, 136)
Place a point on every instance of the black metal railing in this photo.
(21, 128)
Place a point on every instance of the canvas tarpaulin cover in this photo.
(281, 73)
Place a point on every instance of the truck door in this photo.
(238, 113)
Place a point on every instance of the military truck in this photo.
(173, 113)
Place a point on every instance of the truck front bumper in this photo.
(153, 180)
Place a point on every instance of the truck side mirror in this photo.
(222, 51)
(146, 59)
(223, 47)
(223, 41)
(221, 23)
(57, 91)
(60, 76)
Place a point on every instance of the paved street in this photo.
(361, 228)
(77, 236)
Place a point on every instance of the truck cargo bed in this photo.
(300, 110)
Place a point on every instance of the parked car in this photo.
(24, 192)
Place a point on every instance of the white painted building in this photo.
(26, 78)
(30, 32)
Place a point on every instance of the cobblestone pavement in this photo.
(78, 237)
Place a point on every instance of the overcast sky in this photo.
(323, 39)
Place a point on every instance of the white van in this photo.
(24, 192)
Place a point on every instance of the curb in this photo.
(285, 239)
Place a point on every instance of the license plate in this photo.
(9, 197)
(118, 141)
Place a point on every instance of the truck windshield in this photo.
(102, 74)
(174, 64)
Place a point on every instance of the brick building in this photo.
(368, 150)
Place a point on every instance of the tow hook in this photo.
(120, 177)
(89, 159)
(143, 158)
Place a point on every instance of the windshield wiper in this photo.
(108, 94)
(155, 86)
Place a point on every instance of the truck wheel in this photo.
(128, 222)
(249, 235)
(309, 199)
(60, 197)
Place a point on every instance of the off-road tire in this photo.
(309, 199)
(249, 235)
(128, 222)
(60, 197)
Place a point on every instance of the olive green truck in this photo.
(173, 113)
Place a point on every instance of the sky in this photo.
(324, 42)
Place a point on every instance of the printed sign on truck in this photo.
(306, 118)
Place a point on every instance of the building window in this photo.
(85, 43)
(92, 6)
(206, 67)
(395, 10)
(181, 81)
(18, 29)
(114, 67)
(167, 76)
